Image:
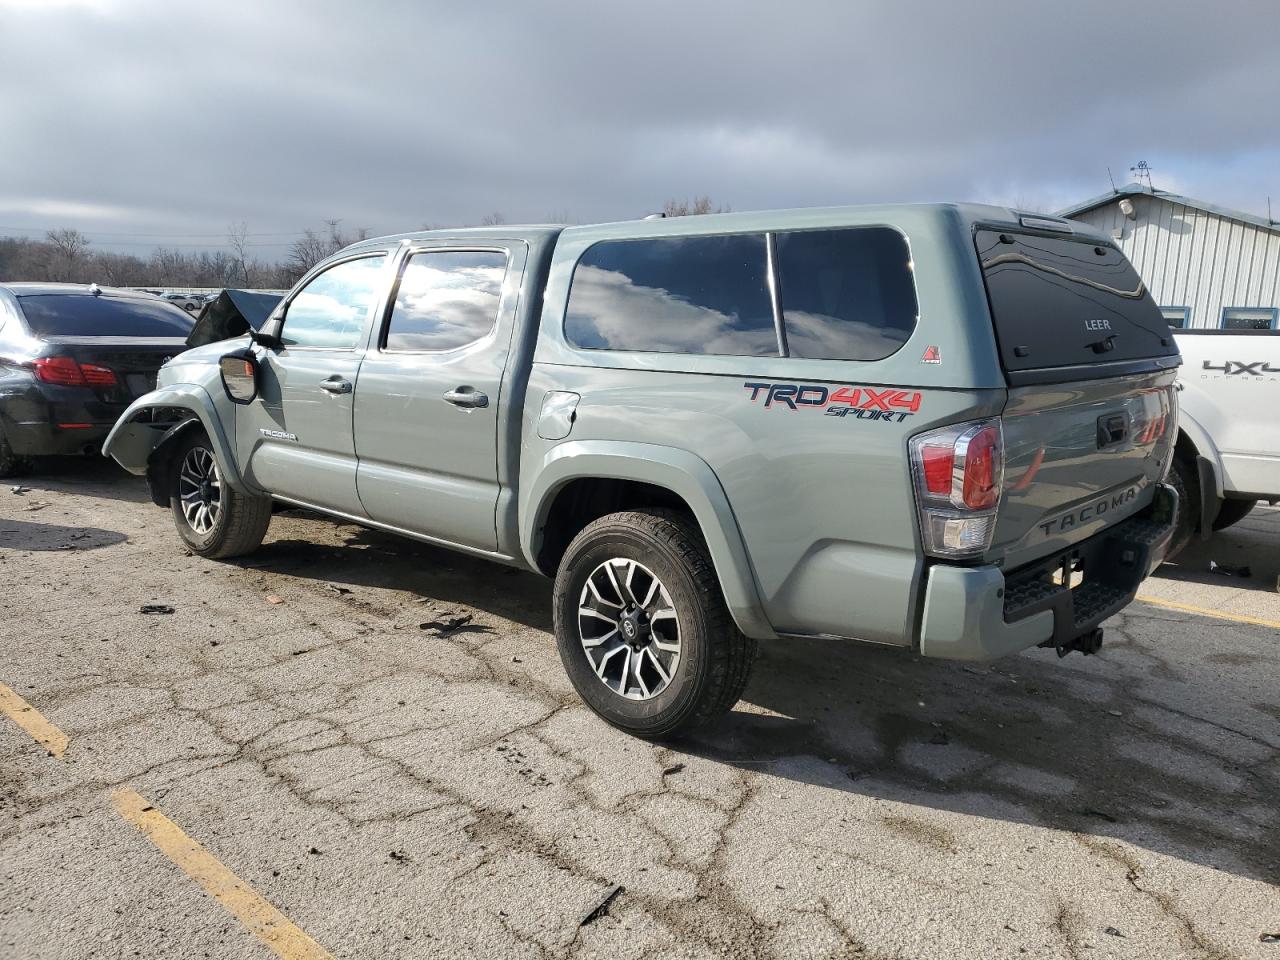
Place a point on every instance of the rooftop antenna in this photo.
(1113, 181)
(1143, 172)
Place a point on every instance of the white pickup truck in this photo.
(1228, 452)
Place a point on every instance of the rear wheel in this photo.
(1233, 511)
(11, 465)
(642, 626)
(213, 519)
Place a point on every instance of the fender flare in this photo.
(1207, 465)
(132, 445)
(684, 474)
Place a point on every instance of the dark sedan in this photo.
(72, 357)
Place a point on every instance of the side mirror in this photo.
(240, 376)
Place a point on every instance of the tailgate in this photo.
(1080, 457)
(1090, 418)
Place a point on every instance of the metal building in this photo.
(1206, 266)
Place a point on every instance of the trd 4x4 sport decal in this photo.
(864, 403)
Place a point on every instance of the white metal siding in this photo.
(1192, 258)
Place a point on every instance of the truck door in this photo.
(426, 403)
(296, 438)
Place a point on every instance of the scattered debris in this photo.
(298, 653)
(314, 852)
(516, 660)
(940, 738)
(36, 505)
(157, 608)
(399, 856)
(20, 490)
(337, 589)
(1113, 932)
(674, 768)
(1269, 938)
(1116, 713)
(602, 906)
(1229, 571)
(443, 628)
(272, 598)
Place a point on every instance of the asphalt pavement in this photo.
(352, 745)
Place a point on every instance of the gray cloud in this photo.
(158, 117)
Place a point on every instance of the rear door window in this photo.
(84, 315)
(1058, 301)
(691, 295)
(846, 294)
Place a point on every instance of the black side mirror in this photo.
(240, 376)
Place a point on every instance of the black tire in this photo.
(1232, 512)
(11, 464)
(715, 657)
(241, 520)
(1182, 477)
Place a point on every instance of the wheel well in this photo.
(585, 499)
(1185, 447)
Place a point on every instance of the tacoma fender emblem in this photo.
(278, 435)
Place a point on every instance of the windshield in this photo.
(1058, 301)
(79, 315)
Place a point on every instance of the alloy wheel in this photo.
(200, 490)
(629, 629)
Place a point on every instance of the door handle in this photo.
(336, 384)
(468, 397)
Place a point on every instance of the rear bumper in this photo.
(980, 613)
(55, 421)
(49, 439)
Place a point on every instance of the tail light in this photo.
(958, 471)
(66, 372)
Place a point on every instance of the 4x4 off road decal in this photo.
(864, 403)
(1234, 368)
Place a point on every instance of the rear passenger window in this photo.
(846, 294)
(693, 295)
(446, 300)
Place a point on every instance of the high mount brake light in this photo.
(957, 472)
(64, 371)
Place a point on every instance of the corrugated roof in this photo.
(1136, 189)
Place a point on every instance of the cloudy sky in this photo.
(143, 123)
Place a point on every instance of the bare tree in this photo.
(67, 247)
(494, 219)
(313, 246)
(237, 237)
(694, 207)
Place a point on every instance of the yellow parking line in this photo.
(1207, 612)
(264, 920)
(30, 720)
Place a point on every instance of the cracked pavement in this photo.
(394, 791)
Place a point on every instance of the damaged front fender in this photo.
(138, 442)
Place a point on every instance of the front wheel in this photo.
(642, 627)
(214, 520)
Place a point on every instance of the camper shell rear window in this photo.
(1066, 302)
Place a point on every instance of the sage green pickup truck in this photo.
(937, 427)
